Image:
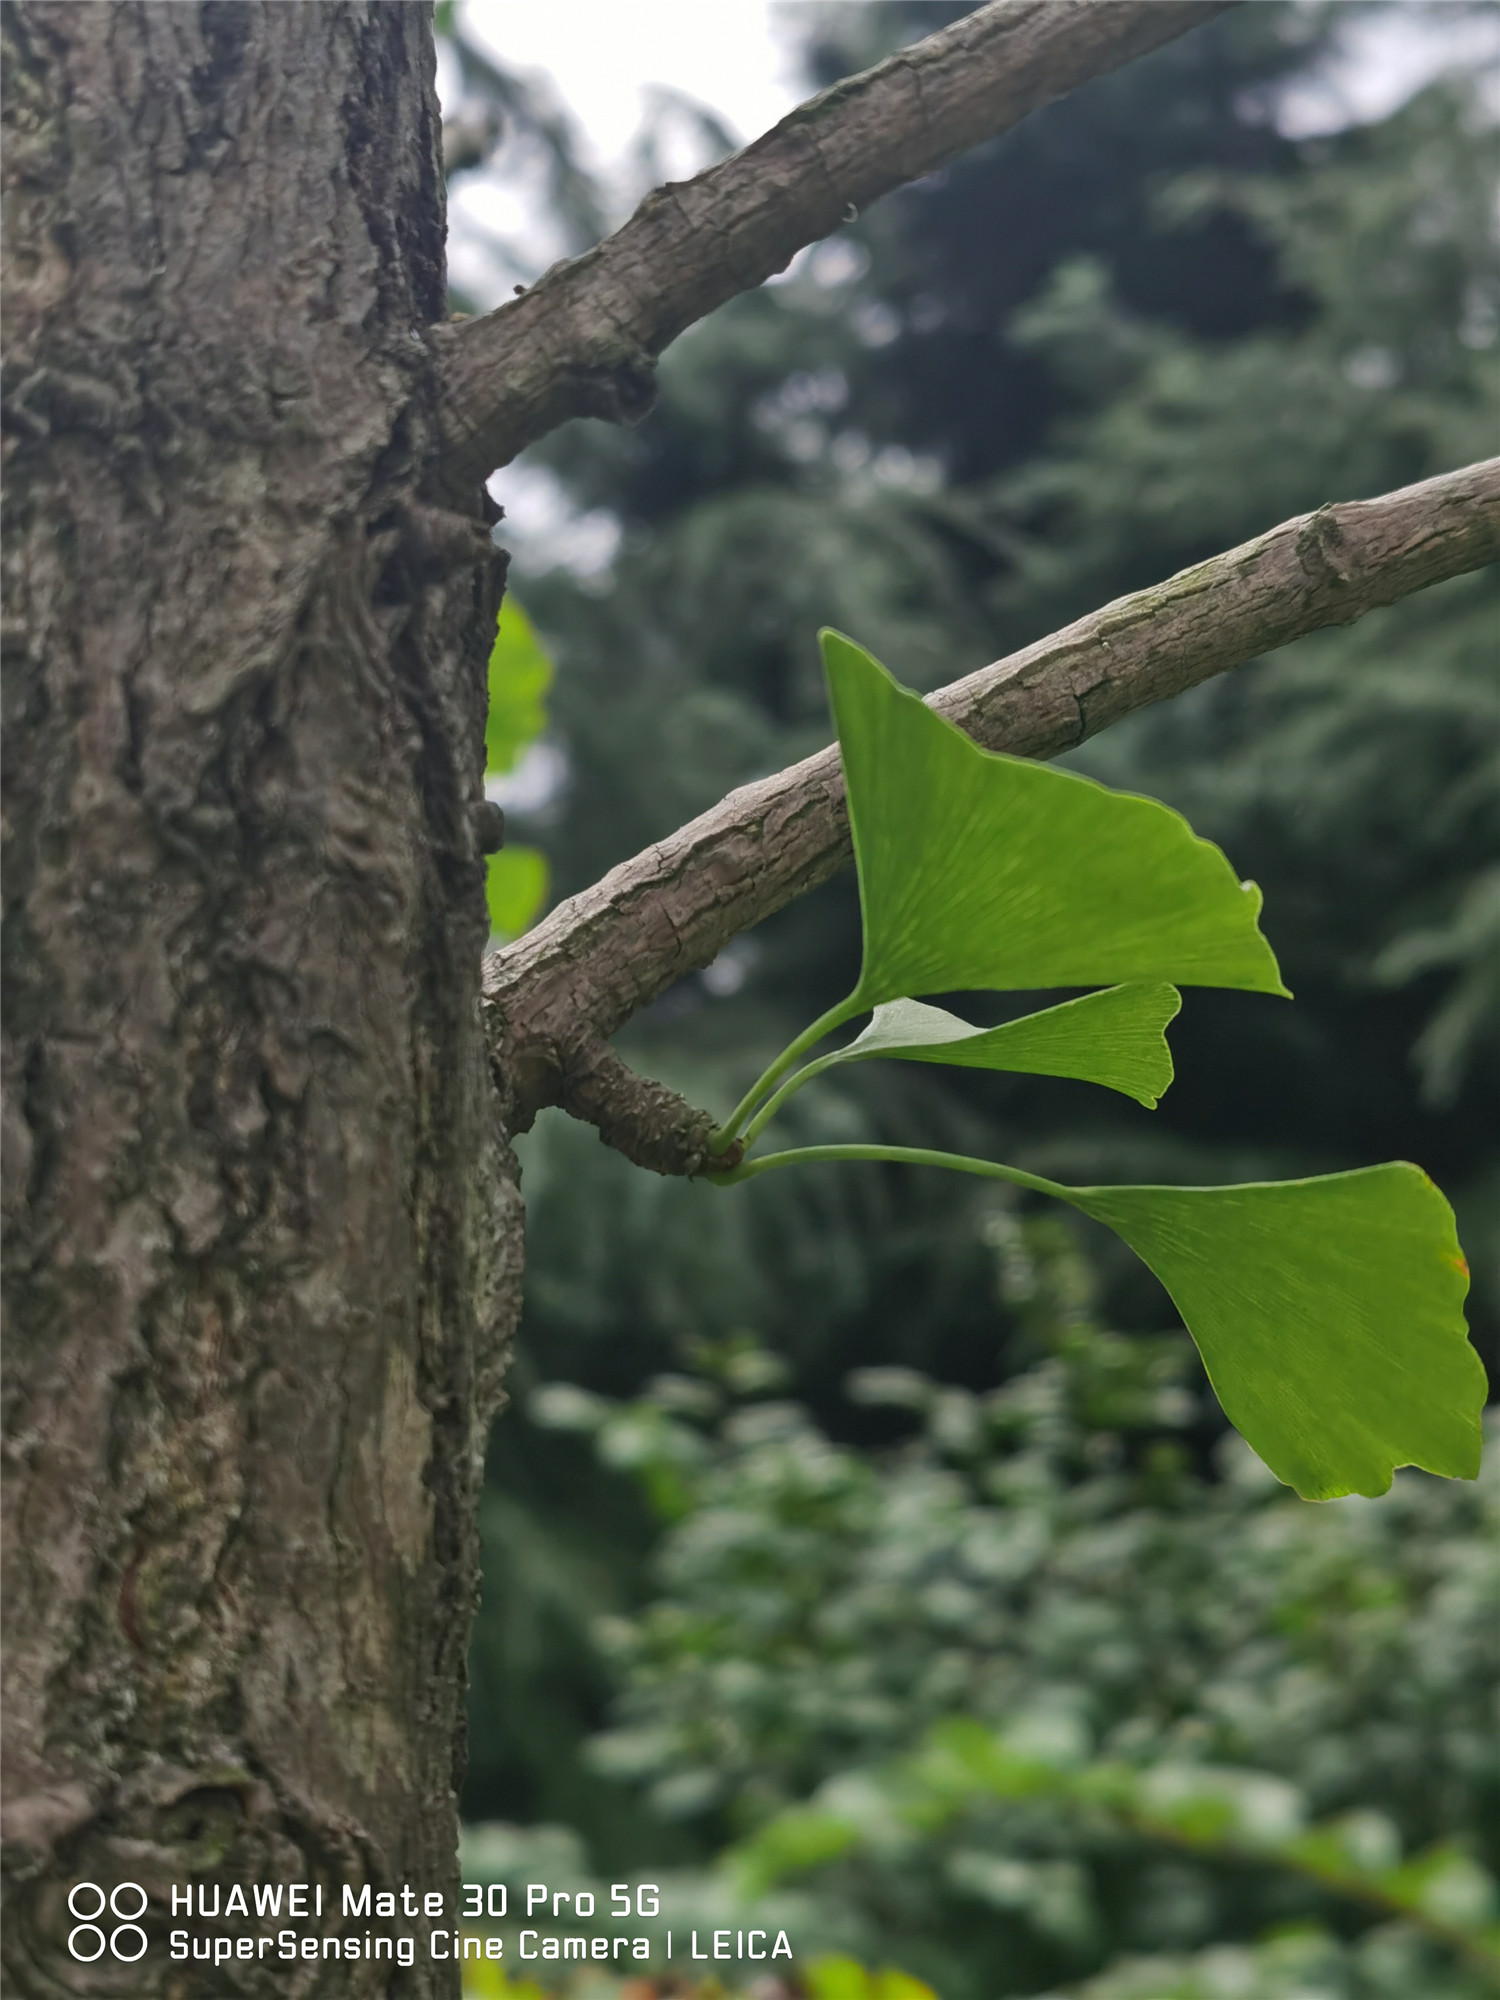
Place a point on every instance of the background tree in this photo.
(263, 1232)
(1042, 1691)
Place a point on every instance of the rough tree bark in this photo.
(262, 1225)
(262, 1238)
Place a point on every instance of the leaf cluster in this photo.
(1328, 1311)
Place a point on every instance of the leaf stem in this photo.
(910, 1156)
(825, 1024)
(788, 1089)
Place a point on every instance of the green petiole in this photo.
(788, 1089)
(825, 1024)
(910, 1156)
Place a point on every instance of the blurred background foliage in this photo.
(797, 1473)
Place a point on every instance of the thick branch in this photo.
(552, 998)
(584, 340)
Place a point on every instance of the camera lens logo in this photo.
(87, 1940)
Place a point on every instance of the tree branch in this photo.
(553, 998)
(584, 340)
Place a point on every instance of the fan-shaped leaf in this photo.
(1114, 1038)
(1329, 1314)
(980, 870)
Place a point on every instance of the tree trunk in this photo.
(262, 1237)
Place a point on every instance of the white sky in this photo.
(602, 53)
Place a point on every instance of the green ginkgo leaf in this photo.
(1114, 1038)
(1329, 1314)
(978, 870)
(515, 888)
(519, 676)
